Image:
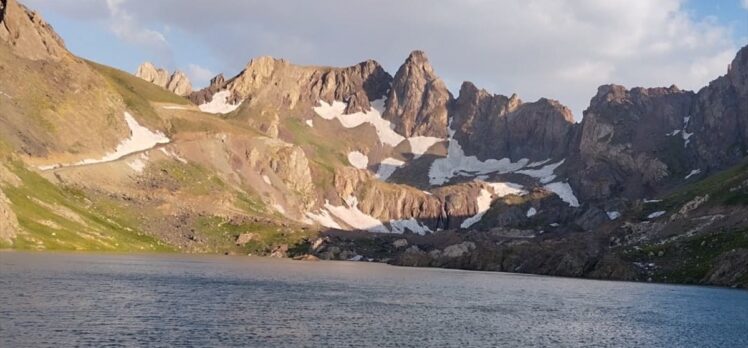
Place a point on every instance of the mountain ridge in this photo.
(353, 162)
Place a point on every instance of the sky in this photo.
(558, 49)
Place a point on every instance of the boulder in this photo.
(245, 238)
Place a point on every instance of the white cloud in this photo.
(199, 76)
(129, 29)
(744, 3)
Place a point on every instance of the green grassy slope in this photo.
(54, 218)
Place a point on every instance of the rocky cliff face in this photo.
(631, 140)
(719, 117)
(385, 201)
(494, 126)
(271, 81)
(178, 82)
(28, 34)
(418, 100)
(205, 95)
(446, 207)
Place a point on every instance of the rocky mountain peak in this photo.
(178, 82)
(496, 126)
(218, 80)
(217, 83)
(719, 124)
(418, 100)
(28, 34)
(737, 71)
(418, 60)
(147, 71)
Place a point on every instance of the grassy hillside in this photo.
(138, 93)
(54, 218)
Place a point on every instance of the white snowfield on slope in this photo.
(140, 139)
(219, 104)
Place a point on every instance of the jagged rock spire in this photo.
(418, 100)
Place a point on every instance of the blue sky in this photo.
(542, 48)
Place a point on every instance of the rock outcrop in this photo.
(8, 221)
(417, 103)
(494, 126)
(217, 83)
(178, 82)
(719, 117)
(631, 140)
(27, 33)
(444, 208)
(276, 82)
(387, 201)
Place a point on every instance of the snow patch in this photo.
(219, 104)
(485, 197)
(266, 179)
(420, 144)
(310, 123)
(531, 212)
(501, 189)
(692, 173)
(457, 163)
(563, 191)
(545, 174)
(383, 127)
(175, 107)
(279, 208)
(141, 139)
(358, 160)
(173, 154)
(656, 214)
(538, 163)
(483, 203)
(387, 167)
(355, 218)
(613, 215)
(647, 201)
(324, 219)
(686, 135)
(400, 226)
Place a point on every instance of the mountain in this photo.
(177, 82)
(356, 163)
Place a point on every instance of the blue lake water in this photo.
(61, 300)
